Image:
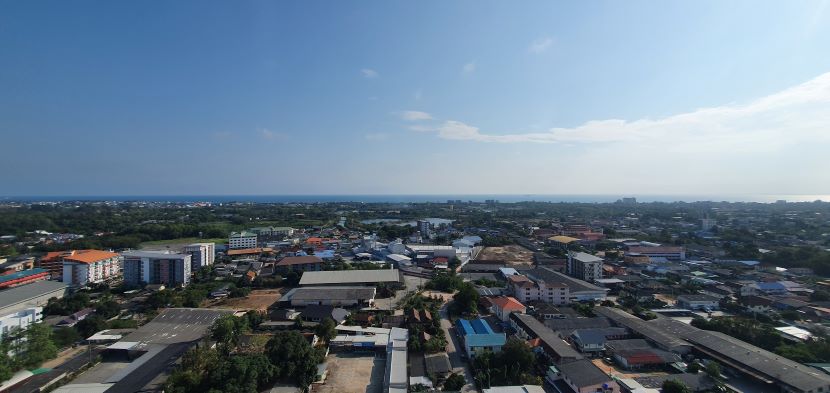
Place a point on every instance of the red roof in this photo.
(303, 260)
(88, 256)
(508, 303)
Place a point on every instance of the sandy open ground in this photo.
(258, 299)
(511, 254)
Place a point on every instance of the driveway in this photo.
(454, 351)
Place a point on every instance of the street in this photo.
(454, 350)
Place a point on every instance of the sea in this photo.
(422, 198)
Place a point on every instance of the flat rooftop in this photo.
(176, 325)
(346, 277)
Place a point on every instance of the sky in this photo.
(422, 97)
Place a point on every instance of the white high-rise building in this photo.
(201, 254)
(425, 227)
(82, 267)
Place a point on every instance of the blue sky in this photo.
(256, 97)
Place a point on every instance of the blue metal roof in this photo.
(481, 326)
(465, 327)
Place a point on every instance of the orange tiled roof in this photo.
(245, 251)
(507, 303)
(53, 256)
(89, 256)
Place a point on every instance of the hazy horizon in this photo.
(423, 198)
(386, 98)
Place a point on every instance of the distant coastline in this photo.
(423, 198)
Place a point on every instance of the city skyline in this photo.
(213, 98)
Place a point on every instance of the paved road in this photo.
(72, 365)
(454, 350)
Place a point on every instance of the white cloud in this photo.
(469, 68)
(541, 45)
(377, 136)
(415, 116)
(796, 114)
(270, 135)
(369, 73)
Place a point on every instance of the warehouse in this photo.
(21, 306)
(350, 296)
(352, 278)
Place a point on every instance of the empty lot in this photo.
(258, 299)
(512, 254)
(353, 373)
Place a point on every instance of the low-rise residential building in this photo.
(553, 346)
(477, 335)
(307, 263)
(242, 239)
(672, 253)
(592, 341)
(272, 232)
(156, 267)
(582, 376)
(547, 285)
(527, 290)
(201, 254)
(503, 306)
(82, 267)
(698, 302)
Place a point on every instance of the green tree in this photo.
(293, 357)
(454, 383)
(674, 386)
(713, 370)
(39, 346)
(7, 364)
(326, 329)
(227, 330)
(466, 300)
(90, 325)
(108, 309)
(65, 336)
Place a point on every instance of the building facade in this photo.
(527, 290)
(83, 267)
(22, 306)
(242, 239)
(145, 267)
(201, 254)
(584, 266)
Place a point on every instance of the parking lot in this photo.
(353, 373)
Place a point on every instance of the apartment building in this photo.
(526, 290)
(244, 239)
(201, 254)
(82, 267)
(156, 267)
(584, 266)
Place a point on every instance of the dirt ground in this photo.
(511, 254)
(258, 299)
(353, 373)
(669, 299)
(612, 370)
